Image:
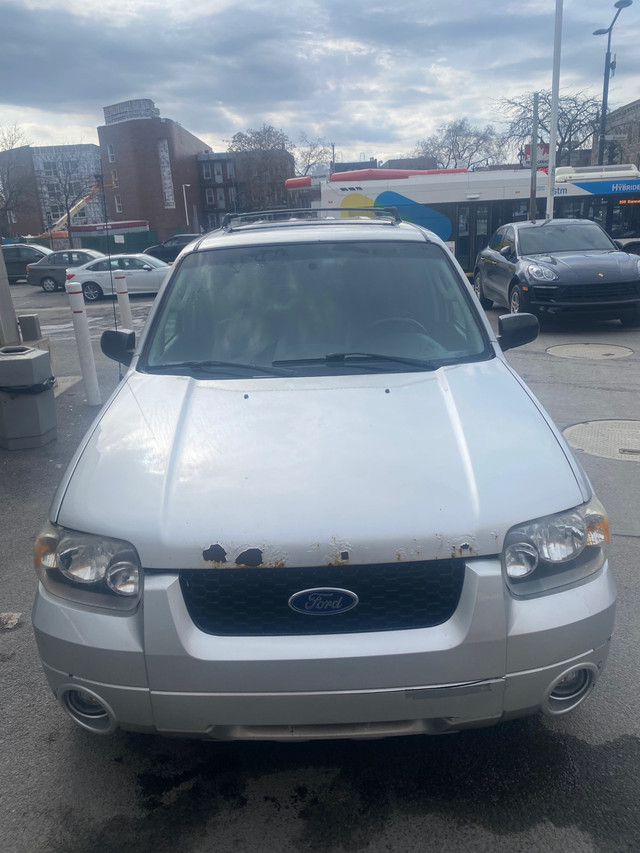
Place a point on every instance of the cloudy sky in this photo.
(371, 77)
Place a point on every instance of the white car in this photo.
(144, 274)
(294, 519)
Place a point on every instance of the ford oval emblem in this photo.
(323, 601)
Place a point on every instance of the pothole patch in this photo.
(598, 351)
(610, 439)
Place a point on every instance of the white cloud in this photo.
(365, 74)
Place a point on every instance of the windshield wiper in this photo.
(352, 358)
(211, 366)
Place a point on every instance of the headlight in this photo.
(556, 550)
(89, 569)
(540, 273)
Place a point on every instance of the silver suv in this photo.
(288, 522)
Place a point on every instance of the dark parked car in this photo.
(171, 248)
(558, 267)
(49, 272)
(18, 255)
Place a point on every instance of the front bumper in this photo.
(154, 671)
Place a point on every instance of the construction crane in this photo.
(75, 208)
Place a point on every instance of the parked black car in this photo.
(558, 267)
(18, 255)
(171, 248)
(49, 272)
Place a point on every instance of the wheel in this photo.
(631, 319)
(48, 284)
(400, 321)
(477, 286)
(516, 300)
(92, 291)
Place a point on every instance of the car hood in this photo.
(310, 471)
(589, 267)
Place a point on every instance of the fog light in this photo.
(570, 689)
(87, 709)
(85, 704)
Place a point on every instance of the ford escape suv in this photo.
(288, 522)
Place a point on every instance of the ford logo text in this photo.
(323, 601)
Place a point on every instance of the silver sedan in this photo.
(144, 274)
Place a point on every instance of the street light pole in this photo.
(619, 5)
(184, 196)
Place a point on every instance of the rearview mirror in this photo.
(514, 330)
(118, 344)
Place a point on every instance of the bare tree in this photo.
(66, 183)
(264, 160)
(457, 144)
(312, 155)
(578, 115)
(16, 188)
(266, 138)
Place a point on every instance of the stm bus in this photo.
(465, 208)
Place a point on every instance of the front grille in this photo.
(254, 602)
(605, 292)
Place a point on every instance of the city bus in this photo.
(465, 208)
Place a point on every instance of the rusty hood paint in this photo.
(309, 471)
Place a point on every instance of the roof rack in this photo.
(313, 215)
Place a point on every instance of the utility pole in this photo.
(533, 197)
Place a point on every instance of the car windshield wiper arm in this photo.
(355, 356)
(210, 365)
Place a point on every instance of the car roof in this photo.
(301, 227)
(36, 246)
(539, 223)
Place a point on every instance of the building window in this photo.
(218, 167)
(209, 196)
(213, 220)
(206, 171)
(56, 211)
(220, 197)
(48, 169)
(114, 178)
(118, 203)
(81, 214)
(111, 154)
(52, 189)
(230, 170)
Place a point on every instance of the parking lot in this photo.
(534, 785)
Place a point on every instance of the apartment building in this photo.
(149, 168)
(42, 183)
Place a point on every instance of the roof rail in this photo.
(315, 215)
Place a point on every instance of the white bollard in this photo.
(126, 317)
(83, 339)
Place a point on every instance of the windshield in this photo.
(323, 308)
(557, 237)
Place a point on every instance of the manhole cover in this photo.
(589, 351)
(612, 439)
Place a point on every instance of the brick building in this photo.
(150, 169)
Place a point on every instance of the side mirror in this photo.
(514, 330)
(506, 251)
(147, 267)
(118, 345)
